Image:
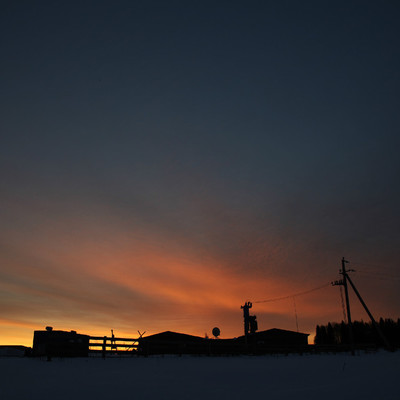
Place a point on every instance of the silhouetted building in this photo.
(14, 351)
(52, 343)
(171, 343)
(277, 337)
(271, 340)
(60, 343)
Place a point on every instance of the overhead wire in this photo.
(378, 271)
(374, 267)
(380, 266)
(293, 295)
(378, 275)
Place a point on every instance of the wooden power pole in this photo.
(343, 282)
(346, 293)
(378, 329)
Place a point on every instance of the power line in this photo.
(366, 264)
(376, 270)
(380, 267)
(379, 275)
(293, 295)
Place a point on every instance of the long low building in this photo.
(277, 337)
(259, 342)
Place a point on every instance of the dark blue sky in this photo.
(262, 135)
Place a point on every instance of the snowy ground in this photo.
(322, 377)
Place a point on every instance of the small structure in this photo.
(60, 343)
(14, 351)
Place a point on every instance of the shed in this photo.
(14, 351)
(60, 343)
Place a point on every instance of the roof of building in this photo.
(172, 337)
(277, 334)
(281, 332)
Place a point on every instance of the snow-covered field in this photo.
(322, 377)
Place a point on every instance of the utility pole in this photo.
(246, 317)
(378, 329)
(346, 292)
(343, 282)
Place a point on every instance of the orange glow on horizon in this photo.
(136, 282)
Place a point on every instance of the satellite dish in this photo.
(216, 332)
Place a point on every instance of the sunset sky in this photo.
(162, 162)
